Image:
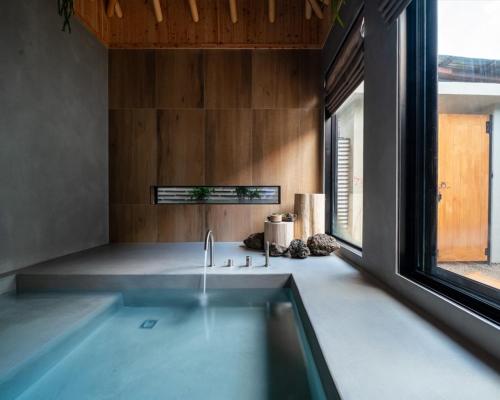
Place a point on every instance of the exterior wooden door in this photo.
(463, 186)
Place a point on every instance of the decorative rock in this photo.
(322, 244)
(298, 249)
(255, 241)
(276, 250)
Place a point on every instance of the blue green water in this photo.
(242, 345)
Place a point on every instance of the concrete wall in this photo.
(53, 136)
(381, 189)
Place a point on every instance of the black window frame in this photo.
(418, 166)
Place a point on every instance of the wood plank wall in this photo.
(214, 117)
(139, 29)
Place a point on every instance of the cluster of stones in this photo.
(320, 244)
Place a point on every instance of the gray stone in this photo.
(322, 244)
(276, 250)
(298, 249)
(255, 241)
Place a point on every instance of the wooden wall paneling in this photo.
(231, 137)
(131, 79)
(275, 82)
(181, 147)
(228, 78)
(179, 79)
(230, 223)
(228, 147)
(277, 152)
(259, 214)
(133, 223)
(311, 79)
(181, 223)
(310, 159)
(132, 155)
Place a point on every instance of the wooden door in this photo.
(463, 185)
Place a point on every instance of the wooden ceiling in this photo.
(207, 23)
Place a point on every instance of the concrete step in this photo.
(37, 330)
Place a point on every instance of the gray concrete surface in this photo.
(37, 330)
(53, 136)
(373, 345)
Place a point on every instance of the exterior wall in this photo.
(53, 135)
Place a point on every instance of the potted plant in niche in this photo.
(241, 192)
(245, 193)
(200, 193)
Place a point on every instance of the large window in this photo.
(344, 137)
(347, 140)
(451, 236)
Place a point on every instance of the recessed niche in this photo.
(216, 194)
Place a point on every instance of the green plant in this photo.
(245, 192)
(200, 193)
(254, 193)
(65, 10)
(336, 6)
(241, 192)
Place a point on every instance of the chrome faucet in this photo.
(209, 241)
(266, 246)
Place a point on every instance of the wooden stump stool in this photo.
(278, 232)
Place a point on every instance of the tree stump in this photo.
(310, 210)
(278, 232)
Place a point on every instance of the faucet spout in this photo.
(209, 246)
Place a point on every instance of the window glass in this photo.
(347, 169)
(468, 181)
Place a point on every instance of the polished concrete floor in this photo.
(488, 274)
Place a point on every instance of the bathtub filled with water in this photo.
(175, 344)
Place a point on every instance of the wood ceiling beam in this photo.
(194, 10)
(118, 10)
(272, 10)
(157, 8)
(316, 8)
(233, 10)
(111, 8)
(308, 9)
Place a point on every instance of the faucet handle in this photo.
(266, 248)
